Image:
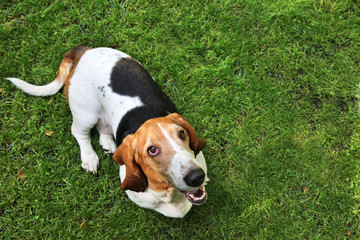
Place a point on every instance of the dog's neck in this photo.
(132, 120)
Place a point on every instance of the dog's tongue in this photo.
(196, 197)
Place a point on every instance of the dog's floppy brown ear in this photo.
(135, 179)
(196, 144)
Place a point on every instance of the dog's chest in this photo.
(116, 106)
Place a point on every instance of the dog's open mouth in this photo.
(196, 197)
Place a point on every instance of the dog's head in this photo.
(161, 154)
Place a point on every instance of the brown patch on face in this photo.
(127, 154)
(143, 170)
(155, 168)
(72, 58)
(196, 144)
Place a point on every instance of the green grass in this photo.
(271, 85)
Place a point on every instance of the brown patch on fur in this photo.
(68, 65)
(196, 144)
(155, 168)
(127, 154)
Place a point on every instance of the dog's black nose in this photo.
(195, 178)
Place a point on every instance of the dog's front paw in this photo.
(90, 162)
(107, 143)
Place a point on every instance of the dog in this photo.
(162, 166)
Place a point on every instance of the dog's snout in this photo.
(195, 178)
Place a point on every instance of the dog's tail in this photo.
(69, 60)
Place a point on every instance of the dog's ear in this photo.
(196, 144)
(135, 179)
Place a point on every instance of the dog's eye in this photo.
(182, 135)
(153, 151)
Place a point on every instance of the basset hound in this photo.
(161, 163)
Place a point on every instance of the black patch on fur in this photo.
(129, 78)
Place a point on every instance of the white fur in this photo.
(46, 90)
(90, 106)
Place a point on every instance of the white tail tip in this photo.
(46, 90)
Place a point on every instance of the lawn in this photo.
(271, 85)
